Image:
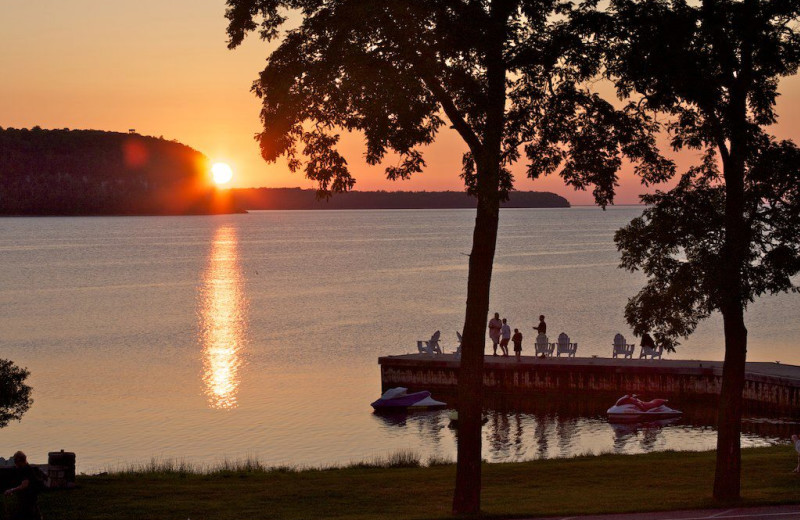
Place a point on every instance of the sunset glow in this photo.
(165, 92)
(222, 173)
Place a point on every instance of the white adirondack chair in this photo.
(622, 348)
(543, 347)
(652, 353)
(431, 346)
(565, 347)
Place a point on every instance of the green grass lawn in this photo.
(582, 485)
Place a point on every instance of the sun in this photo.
(222, 173)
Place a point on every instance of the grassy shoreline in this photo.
(398, 488)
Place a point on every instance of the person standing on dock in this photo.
(494, 331)
(542, 328)
(517, 339)
(505, 337)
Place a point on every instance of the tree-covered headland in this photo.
(92, 172)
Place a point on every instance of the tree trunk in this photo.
(467, 496)
(729, 421)
(727, 478)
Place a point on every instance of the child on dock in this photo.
(517, 339)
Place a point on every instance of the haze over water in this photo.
(203, 338)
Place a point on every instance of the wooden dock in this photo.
(768, 386)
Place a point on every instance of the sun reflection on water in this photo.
(222, 321)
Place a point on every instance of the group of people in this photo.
(500, 334)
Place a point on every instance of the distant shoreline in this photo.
(306, 199)
(244, 212)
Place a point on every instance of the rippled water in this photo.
(203, 338)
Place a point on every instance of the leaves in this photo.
(394, 70)
(678, 241)
(15, 395)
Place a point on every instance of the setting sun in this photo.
(222, 173)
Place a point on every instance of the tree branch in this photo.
(453, 113)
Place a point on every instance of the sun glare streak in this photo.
(222, 321)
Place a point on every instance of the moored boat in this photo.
(398, 398)
(629, 408)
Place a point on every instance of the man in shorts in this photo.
(505, 337)
(494, 331)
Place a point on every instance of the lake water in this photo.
(206, 338)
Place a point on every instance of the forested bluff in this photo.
(95, 172)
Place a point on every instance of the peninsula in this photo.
(296, 198)
(92, 172)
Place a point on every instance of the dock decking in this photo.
(768, 385)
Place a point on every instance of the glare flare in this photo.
(221, 172)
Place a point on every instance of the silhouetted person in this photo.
(505, 337)
(517, 340)
(433, 343)
(647, 341)
(542, 327)
(494, 331)
(27, 491)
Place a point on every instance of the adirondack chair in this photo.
(622, 348)
(431, 346)
(652, 353)
(543, 347)
(565, 347)
(458, 350)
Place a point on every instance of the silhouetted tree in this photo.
(506, 74)
(15, 395)
(721, 237)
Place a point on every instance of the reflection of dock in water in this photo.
(768, 386)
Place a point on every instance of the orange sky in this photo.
(163, 69)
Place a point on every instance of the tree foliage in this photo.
(395, 70)
(678, 242)
(15, 395)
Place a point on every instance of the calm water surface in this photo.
(205, 338)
